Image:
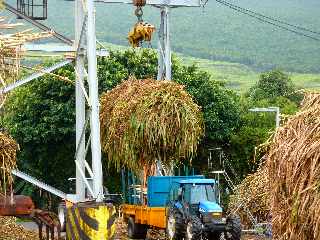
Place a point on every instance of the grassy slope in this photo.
(241, 77)
(216, 33)
(237, 76)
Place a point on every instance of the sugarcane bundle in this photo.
(252, 194)
(8, 153)
(11, 51)
(294, 171)
(146, 120)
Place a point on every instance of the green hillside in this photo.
(241, 77)
(216, 32)
(233, 47)
(237, 76)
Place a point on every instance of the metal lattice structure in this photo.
(87, 103)
(35, 9)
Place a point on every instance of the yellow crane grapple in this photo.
(142, 31)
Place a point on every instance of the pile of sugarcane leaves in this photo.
(287, 185)
(294, 172)
(252, 194)
(10, 230)
(8, 153)
(147, 120)
(11, 51)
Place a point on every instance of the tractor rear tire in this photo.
(194, 229)
(214, 236)
(234, 228)
(175, 227)
(136, 230)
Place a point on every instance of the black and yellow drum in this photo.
(90, 221)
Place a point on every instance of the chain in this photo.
(139, 13)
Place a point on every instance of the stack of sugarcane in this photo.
(144, 121)
(8, 153)
(294, 171)
(252, 194)
(11, 51)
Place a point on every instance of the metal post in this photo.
(167, 44)
(80, 104)
(161, 46)
(277, 117)
(94, 100)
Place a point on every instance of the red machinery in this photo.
(23, 207)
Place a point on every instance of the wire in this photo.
(271, 18)
(263, 18)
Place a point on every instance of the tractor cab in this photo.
(198, 196)
(194, 211)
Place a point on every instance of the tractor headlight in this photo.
(216, 215)
(208, 217)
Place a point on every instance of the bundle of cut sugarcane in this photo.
(294, 172)
(8, 153)
(252, 194)
(11, 51)
(147, 120)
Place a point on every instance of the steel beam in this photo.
(161, 66)
(40, 184)
(167, 46)
(34, 76)
(171, 3)
(41, 26)
(80, 21)
(94, 98)
(164, 49)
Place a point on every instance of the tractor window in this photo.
(196, 193)
(174, 192)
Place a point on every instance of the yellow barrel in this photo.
(91, 221)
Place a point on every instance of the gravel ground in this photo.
(160, 235)
(10, 230)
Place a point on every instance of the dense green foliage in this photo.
(272, 85)
(215, 32)
(274, 89)
(41, 115)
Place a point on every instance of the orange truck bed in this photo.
(151, 216)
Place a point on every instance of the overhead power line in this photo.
(271, 21)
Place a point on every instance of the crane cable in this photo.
(268, 20)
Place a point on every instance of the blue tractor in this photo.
(187, 207)
(194, 212)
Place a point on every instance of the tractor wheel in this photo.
(136, 230)
(175, 225)
(214, 236)
(194, 229)
(233, 228)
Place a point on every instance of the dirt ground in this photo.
(10, 230)
(121, 233)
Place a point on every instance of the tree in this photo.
(274, 84)
(41, 115)
(273, 89)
